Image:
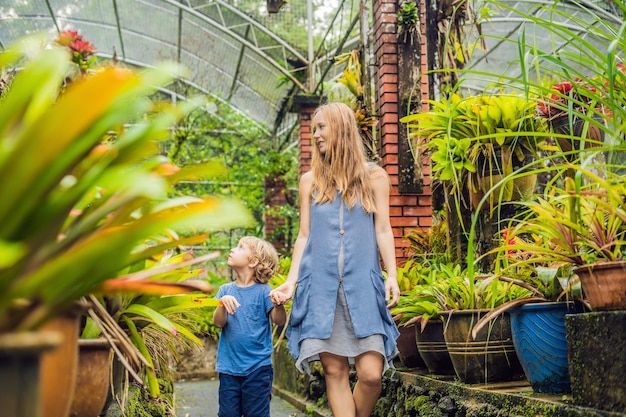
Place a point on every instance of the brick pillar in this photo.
(305, 106)
(411, 209)
(275, 196)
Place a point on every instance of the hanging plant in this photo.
(351, 79)
(408, 22)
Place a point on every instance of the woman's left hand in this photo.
(392, 292)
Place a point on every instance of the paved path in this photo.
(199, 399)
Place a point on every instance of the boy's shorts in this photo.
(247, 396)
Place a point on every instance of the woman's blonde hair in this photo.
(344, 165)
(264, 252)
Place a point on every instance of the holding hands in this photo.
(281, 294)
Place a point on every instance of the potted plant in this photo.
(577, 110)
(465, 297)
(417, 309)
(404, 314)
(478, 142)
(538, 321)
(581, 226)
(86, 191)
(147, 328)
(420, 308)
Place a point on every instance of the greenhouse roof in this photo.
(231, 52)
(235, 52)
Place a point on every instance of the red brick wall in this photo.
(305, 149)
(275, 196)
(407, 211)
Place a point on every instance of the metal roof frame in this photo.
(253, 46)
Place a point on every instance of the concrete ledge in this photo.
(410, 393)
(307, 407)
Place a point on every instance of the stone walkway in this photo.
(199, 399)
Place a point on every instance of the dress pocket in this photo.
(300, 303)
(378, 281)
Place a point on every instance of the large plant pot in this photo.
(596, 343)
(93, 377)
(538, 331)
(20, 371)
(58, 366)
(490, 171)
(490, 357)
(407, 348)
(604, 285)
(432, 348)
(574, 130)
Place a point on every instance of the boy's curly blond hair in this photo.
(264, 252)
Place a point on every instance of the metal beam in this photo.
(251, 42)
(119, 28)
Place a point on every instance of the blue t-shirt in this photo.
(246, 339)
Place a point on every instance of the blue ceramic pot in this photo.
(539, 340)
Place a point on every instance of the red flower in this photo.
(578, 92)
(84, 48)
(582, 95)
(67, 37)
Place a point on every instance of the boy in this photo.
(244, 353)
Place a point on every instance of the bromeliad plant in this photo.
(581, 223)
(83, 52)
(460, 132)
(83, 191)
(582, 96)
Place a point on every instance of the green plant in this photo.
(88, 191)
(429, 245)
(448, 287)
(519, 260)
(469, 137)
(157, 325)
(416, 302)
(581, 223)
(585, 56)
(351, 78)
(408, 21)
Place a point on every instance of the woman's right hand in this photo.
(282, 293)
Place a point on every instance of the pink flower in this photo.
(66, 38)
(84, 48)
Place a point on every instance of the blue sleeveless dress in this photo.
(339, 305)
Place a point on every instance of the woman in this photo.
(340, 313)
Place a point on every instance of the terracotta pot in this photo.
(575, 131)
(490, 357)
(58, 366)
(604, 285)
(93, 377)
(407, 348)
(20, 371)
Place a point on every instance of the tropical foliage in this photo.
(91, 191)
